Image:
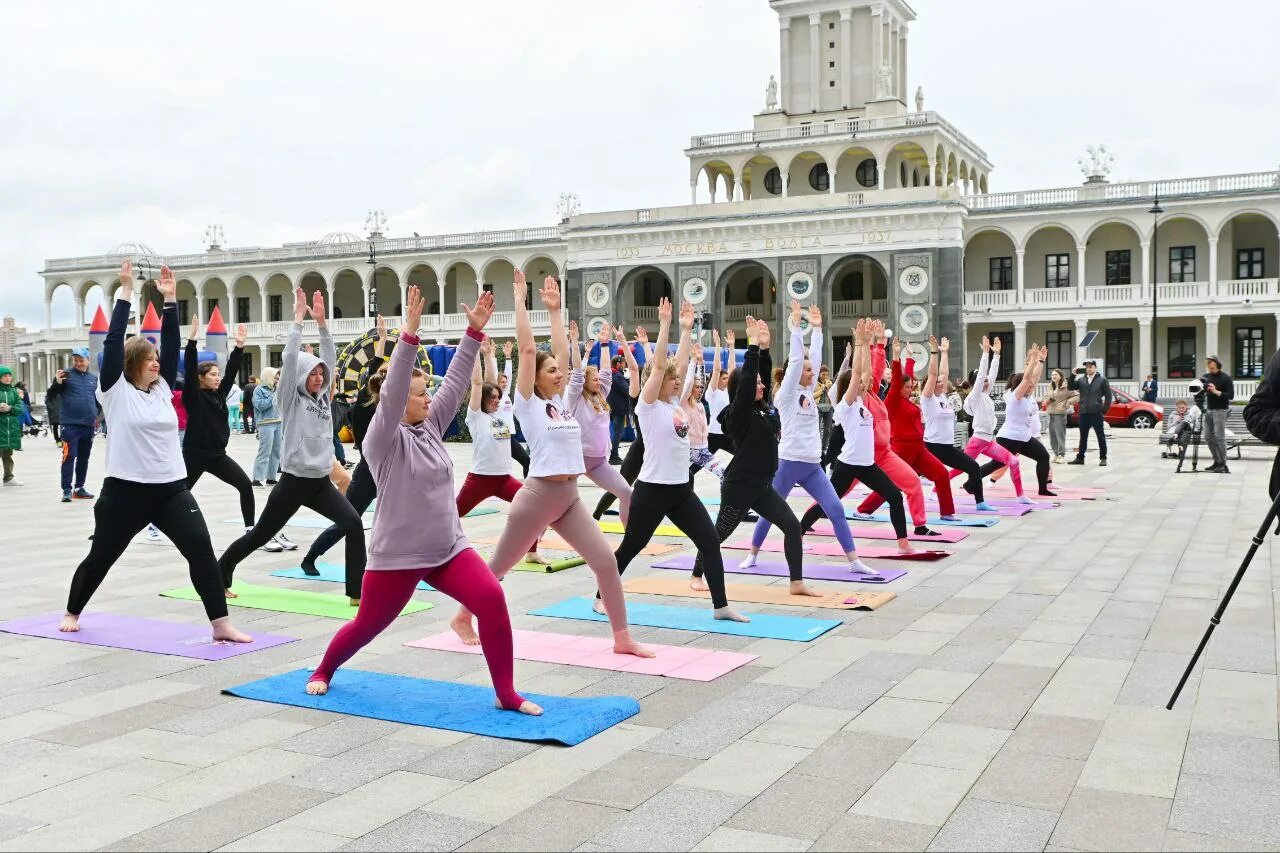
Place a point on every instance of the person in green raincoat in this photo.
(10, 424)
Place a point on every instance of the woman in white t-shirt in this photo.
(1020, 432)
(549, 497)
(146, 477)
(588, 402)
(491, 427)
(940, 423)
(717, 395)
(665, 486)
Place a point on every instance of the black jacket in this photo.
(1095, 394)
(1223, 383)
(1262, 414)
(619, 399)
(363, 411)
(208, 429)
(754, 431)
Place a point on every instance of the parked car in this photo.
(1125, 411)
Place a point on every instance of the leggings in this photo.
(290, 494)
(1032, 449)
(985, 446)
(122, 510)
(653, 501)
(604, 475)
(769, 505)
(950, 455)
(464, 578)
(719, 441)
(704, 458)
(541, 503)
(225, 469)
(477, 487)
(918, 461)
(360, 494)
(843, 476)
(905, 479)
(810, 476)
(521, 455)
(630, 469)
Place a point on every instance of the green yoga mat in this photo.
(282, 600)
(553, 566)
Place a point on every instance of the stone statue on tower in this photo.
(884, 78)
(771, 95)
(920, 99)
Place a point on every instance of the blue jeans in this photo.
(77, 443)
(267, 462)
(338, 450)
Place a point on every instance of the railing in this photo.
(741, 312)
(1187, 291)
(1178, 293)
(1245, 182)
(1114, 294)
(647, 313)
(843, 127)
(860, 308)
(989, 298)
(1050, 295)
(1247, 287)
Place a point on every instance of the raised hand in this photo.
(167, 285)
(815, 316)
(550, 293)
(382, 328)
(478, 317)
(729, 338)
(996, 346)
(317, 308)
(605, 333)
(986, 344)
(795, 314)
(487, 347)
(299, 306)
(619, 335)
(194, 334)
(573, 332)
(686, 316)
(242, 332)
(933, 344)
(715, 337)
(945, 345)
(763, 334)
(1044, 353)
(897, 348)
(664, 311)
(126, 281)
(521, 288)
(861, 333)
(642, 336)
(506, 350)
(412, 311)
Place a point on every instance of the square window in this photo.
(831, 26)
(831, 45)
(831, 84)
(831, 64)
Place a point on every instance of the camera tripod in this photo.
(1216, 619)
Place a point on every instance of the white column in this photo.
(693, 191)
(815, 62)
(1211, 336)
(199, 312)
(328, 300)
(889, 53)
(877, 47)
(1213, 267)
(440, 284)
(1144, 346)
(1019, 274)
(1082, 328)
(831, 174)
(1144, 249)
(264, 357)
(713, 181)
(48, 314)
(367, 294)
(1019, 344)
(903, 91)
(784, 73)
(1080, 283)
(264, 304)
(846, 60)
(404, 295)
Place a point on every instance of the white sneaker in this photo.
(272, 545)
(13, 482)
(153, 535)
(285, 543)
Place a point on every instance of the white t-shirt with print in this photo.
(859, 432)
(666, 443)
(1021, 418)
(939, 420)
(490, 441)
(717, 401)
(555, 439)
(142, 445)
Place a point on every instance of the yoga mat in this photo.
(291, 601)
(330, 573)
(762, 625)
(934, 521)
(552, 566)
(824, 528)
(444, 705)
(663, 529)
(813, 571)
(319, 522)
(858, 599)
(833, 549)
(932, 506)
(687, 662)
(117, 631)
(555, 543)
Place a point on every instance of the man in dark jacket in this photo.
(246, 405)
(1219, 391)
(619, 401)
(1095, 400)
(76, 391)
(1262, 415)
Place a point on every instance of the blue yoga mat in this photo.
(765, 626)
(330, 573)
(959, 522)
(444, 705)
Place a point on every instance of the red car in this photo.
(1125, 411)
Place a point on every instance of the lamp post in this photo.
(373, 280)
(1155, 212)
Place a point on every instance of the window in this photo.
(773, 181)
(277, 308)
(246, 367)
(242, 309)
(1006, 354)
(850, 288)
(184, 312)
(831, 25)
(1118, 266)
(1249, 263)
(1249, 357)
(1182, 352)
(868, 175)
(831, 64)
(1057, 270)
(755, 292)
(1119, 353)
(820, 178)
(1182, 264)
(210, 304)
(831, 45)
(1001, 274)
(831, 84)
(1059, 344)
(277, 360)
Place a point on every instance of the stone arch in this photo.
(755, 172)
(347, 291)
(278, 287)
(857, 170)
(93, 295)
(900, 160)
(427, 280)
(497, 275)
(1248, 230)
(1115, 234)
(982, 184)
(1050, 238)
(808, 174)
(718, 171)
(745, 283)
(639, 291)
(538, 266)
(858, 278)
(245, 286)
(214, 287)
(459, 285)
(64, 307)
(384, 288)
(986, 242)
(311, 281)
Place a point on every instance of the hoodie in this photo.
(307, 447)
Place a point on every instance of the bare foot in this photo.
(316, 687)
(598, 607)
(536, 558)
(231, 594)
(624, 645)
(728, 614)
(461, 625)
(225, 632)
(697, 583)
(905, 547)
(802, 588)
(526, 707)
(70, 624)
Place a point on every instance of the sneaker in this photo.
(615, 460)
(284, 541)
(1102, 463)
(1077, 461)
(1059, 459)
(13, 481)
(66, 496)
(273, 546)
(257, 484)
(82, 493)
(271, 482)
(153, 535)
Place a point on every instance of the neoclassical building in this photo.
(845, 191)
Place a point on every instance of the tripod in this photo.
(1194, 441)
(1216, 619)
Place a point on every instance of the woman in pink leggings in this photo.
(549, 496)
(587, 398)
(407, 457)
(982, 409)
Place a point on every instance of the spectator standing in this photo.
(619, 401)
(10, 424)
(246, 406)
(1150, 388)
(1058, 402)
(1095, 400)
(76, 391)
(1219, 392)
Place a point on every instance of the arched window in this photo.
(773, 181)
(820, 178)
(850, 287)
(755, 292)
(868, 175)
(902, 174)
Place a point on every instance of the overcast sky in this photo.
(284, 121)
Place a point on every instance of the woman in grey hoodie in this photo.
(302, 396)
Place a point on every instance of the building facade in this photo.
(845, 192)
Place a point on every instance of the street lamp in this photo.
(373, 280)
(1155, 212)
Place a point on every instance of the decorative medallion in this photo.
(913, 281)
(598, 295)
(800, 286)
(913, 320)
(695, 291)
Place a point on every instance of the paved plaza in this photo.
(1011, 698)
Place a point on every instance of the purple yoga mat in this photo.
(812, 571)
(142, 635)
(945, 534)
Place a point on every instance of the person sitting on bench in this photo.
(1184, 422)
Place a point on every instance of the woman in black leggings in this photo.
(940, 424)
(1020, 432)
(204, 396)
(755, 430)
(146, 480)
(665, 487)
(634, 460)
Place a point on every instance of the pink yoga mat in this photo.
(686, 662)
(811, 571)
(948, 535)
(833, 549)
(116, 631)
(965, 501)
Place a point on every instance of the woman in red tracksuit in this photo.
(904, 454)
